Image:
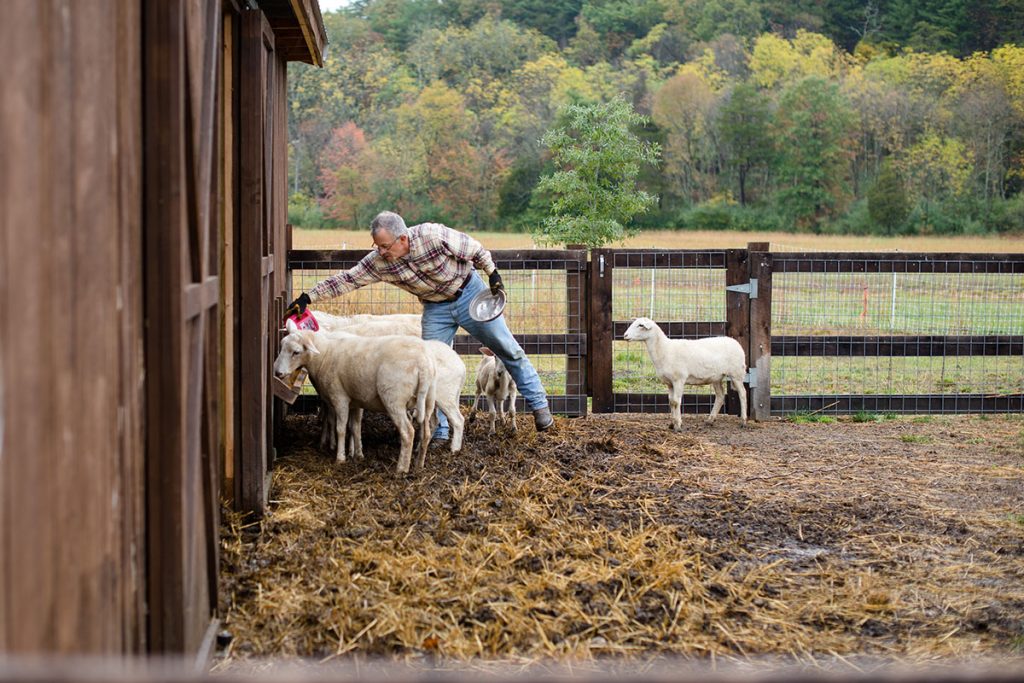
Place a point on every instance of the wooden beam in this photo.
(882, 346)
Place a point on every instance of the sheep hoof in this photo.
(340, 459)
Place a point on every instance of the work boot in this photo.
(542, 419)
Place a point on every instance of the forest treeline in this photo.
(893, 117)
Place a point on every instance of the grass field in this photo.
(803, 304)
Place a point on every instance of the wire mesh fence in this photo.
(899, 333)
(683, 291)
(848, 331)
(545, 312)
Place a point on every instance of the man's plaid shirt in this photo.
(439, 260)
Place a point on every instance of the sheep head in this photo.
(641, 329)
(296, 350)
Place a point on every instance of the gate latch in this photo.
(748, 288)
(751, 379)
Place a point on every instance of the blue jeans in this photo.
(442, 320)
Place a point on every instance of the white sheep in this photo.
(393, 375)
(451, 374)
(494, 383)
(695, 361)
(363, 325)
(371, 324)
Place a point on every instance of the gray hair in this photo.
(389, 221)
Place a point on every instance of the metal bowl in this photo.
(485, 306)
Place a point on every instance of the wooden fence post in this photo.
(599, 336)
(737, 312)
(760, 406)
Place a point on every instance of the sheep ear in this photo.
(290, 325)
(311, 348)
(486, 351)
(647, 323)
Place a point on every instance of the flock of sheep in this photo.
(380, 363)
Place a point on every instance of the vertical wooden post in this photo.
(599, 337)
(737, 312)
(760, 406)
(575, 366)
(287, 269)
(254, 306)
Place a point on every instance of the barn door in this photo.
(259, 86)
(181, 63)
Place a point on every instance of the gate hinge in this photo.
(748, 288)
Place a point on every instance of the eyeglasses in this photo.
(384, 247)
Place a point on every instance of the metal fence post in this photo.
(760, 355)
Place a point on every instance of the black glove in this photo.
(297, 307)
(495, 281)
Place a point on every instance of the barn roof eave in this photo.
(299, 34)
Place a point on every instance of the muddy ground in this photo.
(612, 539)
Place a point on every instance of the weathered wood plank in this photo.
(675, 329)
(252, 339)
(868, 262)
(737, 312)
(886, 346)
(165, 219)
(600, 333)
(504, 259)
(573, 345)
(845, 404)
(664, 258)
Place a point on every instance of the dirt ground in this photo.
(613, 539)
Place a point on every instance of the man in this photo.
(436, 264)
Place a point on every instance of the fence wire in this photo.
(844, 299)
(543, 298)
(666, 295)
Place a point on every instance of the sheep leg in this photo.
(473, 408)
(719, 400)
(737, 384)
(512, 393)
(456, 423)
(407, 434)
(326, 426)
(425, 423)
(675, 404)
(341, 426)
(355, 426)
(492, 411)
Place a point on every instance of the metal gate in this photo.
(690, 294)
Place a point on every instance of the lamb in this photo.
(698, 361)
(494, 382)
(387, 374)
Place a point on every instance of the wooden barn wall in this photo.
(229, 226)
(261, 261)
(71, 380)
(181, 56)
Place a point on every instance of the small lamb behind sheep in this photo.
(494, 382)
(392, 375)
(712, 361)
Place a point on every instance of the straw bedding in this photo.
(613, 539)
